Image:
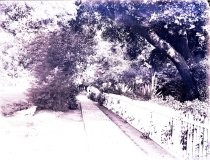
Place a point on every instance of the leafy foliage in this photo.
(54, 62)
(10, 109)
(21, 24)
(57, 95)
(137, 26)
(117, 46)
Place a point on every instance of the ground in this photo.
(78, 134)
(47, 135)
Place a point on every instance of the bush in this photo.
(199, 109)
(93, 93)
(174, 88)
(54, 96)
(10, 109)
(101, 99)
(92, 96)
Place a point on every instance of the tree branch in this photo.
(176, 58)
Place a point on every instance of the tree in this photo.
(48, 48)
(20, 23)
(23, 21)
(170, 27)
(54, 59)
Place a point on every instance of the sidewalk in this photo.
(46, 135)
(105, 139)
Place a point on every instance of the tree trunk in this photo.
(177, 59)
(184, 48)
(178, 41)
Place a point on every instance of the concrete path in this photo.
(106, 141)
(45, 136)
(86, 135)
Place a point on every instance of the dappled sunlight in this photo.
(104, 79)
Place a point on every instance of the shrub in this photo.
(199, 109)
(54, 96)
(10, 109)
(101, 99)
(174, 88)
(93, 93)
(92, 96)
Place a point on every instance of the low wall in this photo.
(183, 135)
